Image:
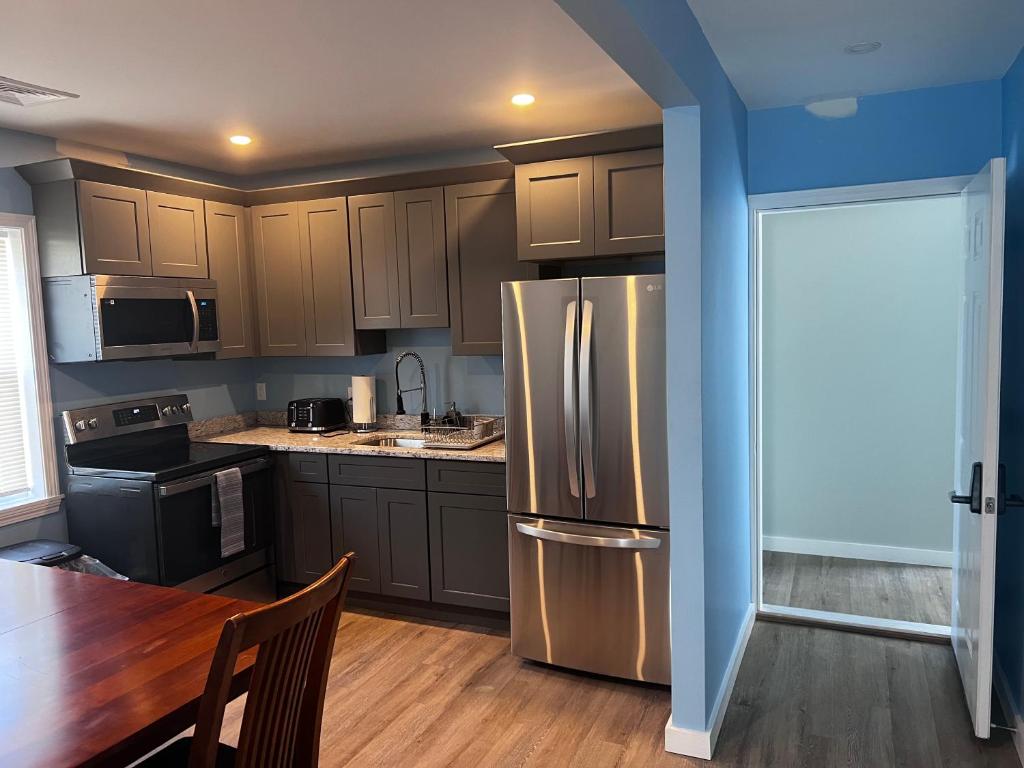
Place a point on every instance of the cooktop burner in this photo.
(168, 463)
(144, 440)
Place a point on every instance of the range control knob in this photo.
(80, 425)
(175, 409)
(186, 408)
(93, 423)
(166, 410)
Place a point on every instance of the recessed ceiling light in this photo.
(523, 99)
(856, 49)
(240, 139)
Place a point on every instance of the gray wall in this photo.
(859, 326)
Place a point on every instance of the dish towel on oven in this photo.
(228, 512)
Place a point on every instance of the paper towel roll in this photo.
(364, 402)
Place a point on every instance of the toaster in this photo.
(317, 414)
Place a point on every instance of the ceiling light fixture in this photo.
(523, 99)
(240, 139)
(858, 49)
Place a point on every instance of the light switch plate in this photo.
(261, 390)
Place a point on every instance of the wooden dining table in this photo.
(95, 671)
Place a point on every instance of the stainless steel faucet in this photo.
(422, 388)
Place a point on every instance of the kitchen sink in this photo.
(392, 442)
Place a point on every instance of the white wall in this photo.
(859, 328)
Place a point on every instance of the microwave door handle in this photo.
(195, 318)
(569, 400)
(587, 399)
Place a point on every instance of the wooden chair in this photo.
(283, 711)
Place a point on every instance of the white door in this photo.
(977, 438)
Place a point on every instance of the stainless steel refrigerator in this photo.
(587, 474)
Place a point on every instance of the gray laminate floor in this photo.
(860, 587)
(426, 694)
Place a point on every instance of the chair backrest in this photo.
(284, 708)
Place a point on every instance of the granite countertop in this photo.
(280, 439)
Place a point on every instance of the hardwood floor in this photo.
(405, 693)
(860, 587)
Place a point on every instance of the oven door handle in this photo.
(195, 318)
(190, 484)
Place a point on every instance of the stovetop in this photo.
(157, 455)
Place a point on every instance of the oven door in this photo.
(156, 319)
(189, 545)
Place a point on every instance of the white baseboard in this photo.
(856, 551)
(701, 744)
(1002, 686)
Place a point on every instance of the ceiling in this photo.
(314, 82)
(787, 52)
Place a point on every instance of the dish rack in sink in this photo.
(467, 433)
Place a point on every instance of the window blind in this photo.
(14, 448)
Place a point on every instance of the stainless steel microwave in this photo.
(116, 317)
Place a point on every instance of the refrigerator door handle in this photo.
(613, 542)
(586, 399)
(569, 400)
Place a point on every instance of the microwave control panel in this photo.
(207, 319)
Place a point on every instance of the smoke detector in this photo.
(28, 95)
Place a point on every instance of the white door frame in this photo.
(766, 203)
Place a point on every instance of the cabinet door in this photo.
(404, 558)
(284, 525)
(279, 294)
(629, 208)
(374, 260)
(323, 233)
(480, 225)
(310, 505)
(555, 209)
(115, 229)
(422, 267)
(469, 550)
(227, 244)
(354, 529)
(177, 235)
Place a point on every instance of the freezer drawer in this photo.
(590, 597)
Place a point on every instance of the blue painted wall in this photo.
(725, 518)
(928, 133)
(1010, 541)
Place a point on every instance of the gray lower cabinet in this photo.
(469, 550)
(310, 507)
(404, 551)
(354, 529)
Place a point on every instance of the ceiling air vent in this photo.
(28, 95)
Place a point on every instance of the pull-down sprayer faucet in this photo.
(422, 388)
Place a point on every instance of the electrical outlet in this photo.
(261, 391)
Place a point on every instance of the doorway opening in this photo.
(855, 311)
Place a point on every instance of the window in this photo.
(28, 474)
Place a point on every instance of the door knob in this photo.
(973, 499)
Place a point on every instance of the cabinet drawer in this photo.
(307, 467)
(377, 472)
(466, 477)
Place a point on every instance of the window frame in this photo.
(51, 498)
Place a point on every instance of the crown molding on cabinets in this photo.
(65, 169)
(580, 145)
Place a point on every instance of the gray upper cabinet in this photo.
(177, 235)
(227, 243)
(422, 267)
(629, 209)
(324, 252)
(279, 279)
(115, 229)
(555, 209)
(374, 260)
(480, 227)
